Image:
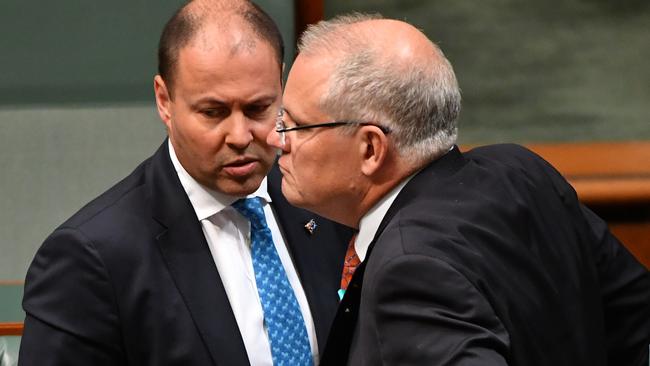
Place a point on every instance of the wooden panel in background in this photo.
(613, 179)
(307, 12)
(603, 173)
(636, 237)
(11, 329)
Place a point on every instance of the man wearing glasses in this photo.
(478, 258)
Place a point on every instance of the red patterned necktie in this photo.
(351, 263)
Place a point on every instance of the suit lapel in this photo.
(188, 257)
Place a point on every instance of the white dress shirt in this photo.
(228, 235)
(372, 219)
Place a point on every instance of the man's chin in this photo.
(292, 195)
(239, 187)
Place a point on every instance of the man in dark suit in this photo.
(161, 269)
(478, 258)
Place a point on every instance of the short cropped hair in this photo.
(183, 26)
(419, 102)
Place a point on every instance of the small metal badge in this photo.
(310, 226)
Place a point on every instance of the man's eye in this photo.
(215, 112)
(257, 110)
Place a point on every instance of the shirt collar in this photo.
(205, 201)
(372, 219)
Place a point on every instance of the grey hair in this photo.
(419, 102)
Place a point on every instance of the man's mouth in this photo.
(240, 167)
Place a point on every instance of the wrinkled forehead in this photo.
(307, 84)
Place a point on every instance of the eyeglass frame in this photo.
(328, 124)
(281, 130)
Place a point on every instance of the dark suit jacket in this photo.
(488, 258)
(129, 279)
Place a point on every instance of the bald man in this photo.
(478, 258)
(195, 258)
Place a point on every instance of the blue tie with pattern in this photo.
(284, 322)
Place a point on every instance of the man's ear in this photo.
(163, 100)
(373, 149)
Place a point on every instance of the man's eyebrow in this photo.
(209, 100)
(263, 99)
(287, 112)
(213, 100)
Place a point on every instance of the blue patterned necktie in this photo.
(284, 322)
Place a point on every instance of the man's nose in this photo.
(278, 140)
(239, 134)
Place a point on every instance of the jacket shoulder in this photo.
(127, 195)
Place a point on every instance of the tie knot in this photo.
(251, 208)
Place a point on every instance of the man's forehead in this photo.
(212, 47)
(306, 86)
(245, 74)
(226, 35)
(309, 76)
(213, 7)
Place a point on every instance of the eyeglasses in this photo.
(281, 128)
